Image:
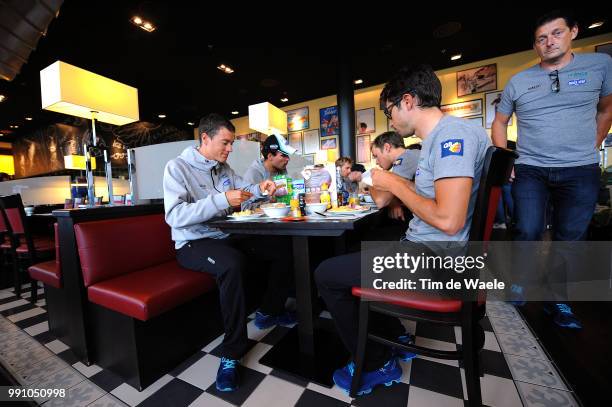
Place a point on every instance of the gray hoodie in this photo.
(257, 172)
(194, 192)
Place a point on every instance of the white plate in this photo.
(247, 217)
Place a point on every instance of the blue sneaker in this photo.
(227, 375)
(562, 315)
(517, 295)
(401, 354)
(265, 321)
(389, 374)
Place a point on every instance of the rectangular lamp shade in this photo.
(77, 162)
(7, 164)
(76, 92)
(267, 119)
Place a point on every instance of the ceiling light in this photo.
(140, 23)
(190, 123)
(456, 57)
(2, 98)
(161, 116)
(28, 119)
(596, 24)
(14, 126)
(225, 68)
(358, 81)
(284, 100)
(235, 112)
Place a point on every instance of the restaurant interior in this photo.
(97, 96)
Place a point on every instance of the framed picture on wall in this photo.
(330, 123)
(310, 158)
(295, 141)
(329, 143)
(476, 80)
(363, 149)
(477, 120)
(311, 141)
(463, 109)
(492, 99)
(365, 122)
(298, 119)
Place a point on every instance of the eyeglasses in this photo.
(388, 109)
(556, 85)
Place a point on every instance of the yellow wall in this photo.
(507, 66)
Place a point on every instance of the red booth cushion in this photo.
(407, 299)
(146, 293)
(110, 248)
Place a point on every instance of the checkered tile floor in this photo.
(517, 370)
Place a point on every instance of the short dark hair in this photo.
(362, 124)
(344, 160)
(418, 80)
(389, 137)
(212, 123)
(567, 15)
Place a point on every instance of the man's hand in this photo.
(396, 210)
(236, 196)
(268, 186)
(385, 180)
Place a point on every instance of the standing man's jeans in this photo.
(572, 192)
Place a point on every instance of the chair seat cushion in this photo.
(408, 299)
(149, 292)
(48, 272)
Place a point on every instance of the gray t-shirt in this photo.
(406, 164)
(558, 129)
(454, 148)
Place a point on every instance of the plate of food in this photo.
(245, 215)
(348, 209)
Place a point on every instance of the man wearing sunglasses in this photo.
(563, 107)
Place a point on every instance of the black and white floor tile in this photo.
(517, 371)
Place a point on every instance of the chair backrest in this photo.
(110, 248)
(16, 222)
(496, 171)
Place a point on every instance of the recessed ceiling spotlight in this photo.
(235, 112)
(14, 126)
(225, 68)
(456, 57)
(2, 98)
(190, 123)
(284, 100)
(28, 119)
(161, 116)
(358, 81)
(145, 25)
(596, 24)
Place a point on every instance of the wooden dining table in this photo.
(308, 350)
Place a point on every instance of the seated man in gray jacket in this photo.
(200, 185)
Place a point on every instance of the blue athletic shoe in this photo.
(517, 295)
(562, 315)
(227, 375)
(389, 374)
(265, 321)
(401, 354)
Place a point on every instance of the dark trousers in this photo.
(226, 260)
(335, 277)
(572, 192)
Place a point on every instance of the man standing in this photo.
(442, 199)
(564, 110)
(200, 185)
(276, 152)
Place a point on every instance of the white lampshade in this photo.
(74, 91)
(267, 119)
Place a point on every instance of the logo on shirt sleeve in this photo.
(398, 162)
(452, 147)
